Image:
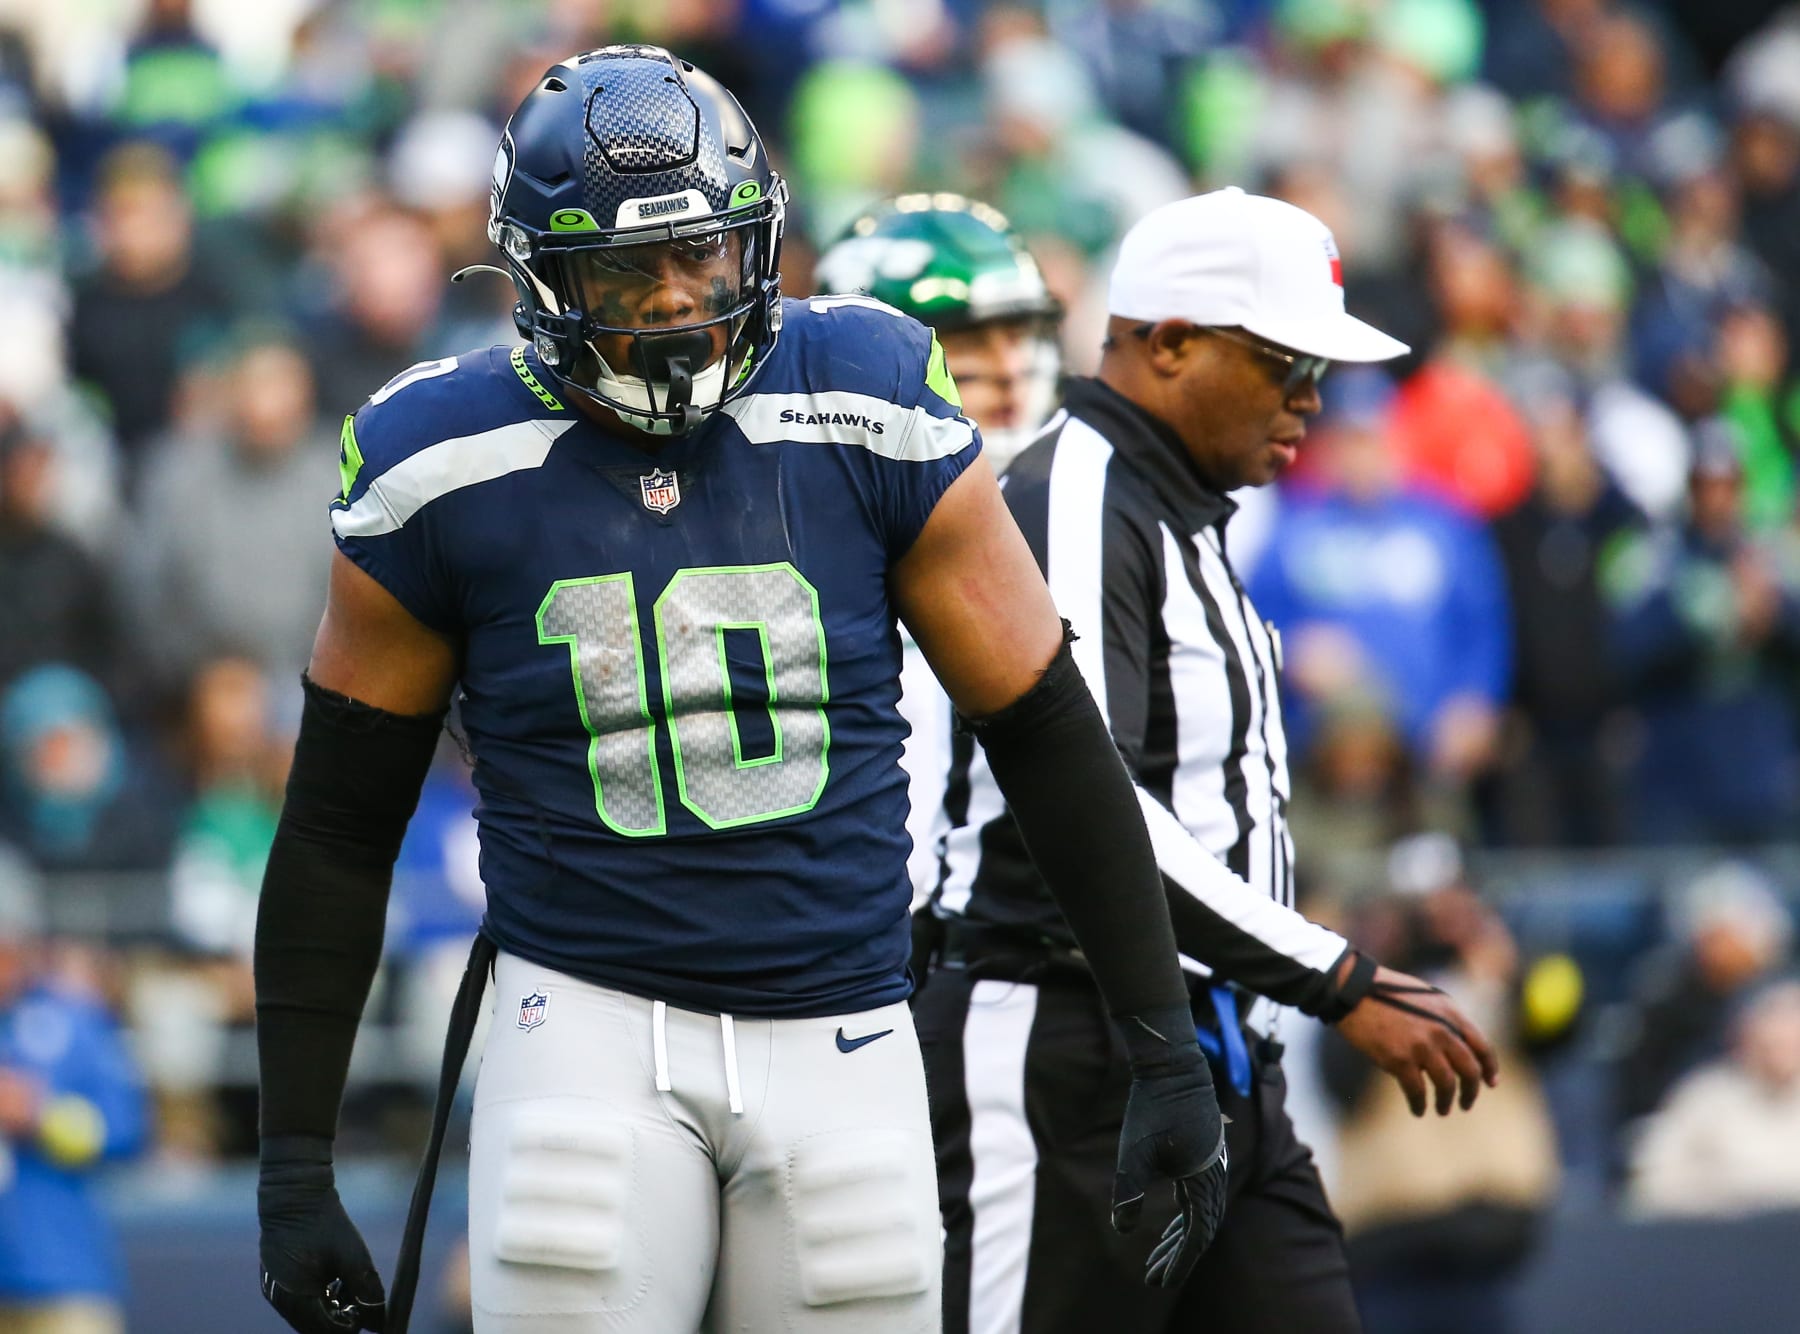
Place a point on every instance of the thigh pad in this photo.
(565, 1183)
(854, 1198)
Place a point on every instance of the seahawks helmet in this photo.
(641, 223)
(954, 263)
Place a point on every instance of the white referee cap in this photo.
(1233, 259)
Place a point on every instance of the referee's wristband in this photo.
(1349, 993)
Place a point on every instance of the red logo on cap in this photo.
(1337, 265)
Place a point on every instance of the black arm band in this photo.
(1349, 995)
(355, 781)
(1061, 774)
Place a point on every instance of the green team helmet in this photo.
(948, 261)
(956, 264)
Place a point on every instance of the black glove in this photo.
(316, 1271)
(1172, 1129)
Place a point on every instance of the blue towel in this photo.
(1226, 1047)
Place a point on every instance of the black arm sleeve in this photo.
(1061, 774)
(355, 782)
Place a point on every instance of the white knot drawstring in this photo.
(734, 1095)
(659, 1047)
(659, 1044)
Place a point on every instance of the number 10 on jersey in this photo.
(598, 619)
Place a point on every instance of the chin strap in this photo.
(680, 397)
(669, 359)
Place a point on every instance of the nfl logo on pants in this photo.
(531, 1010)
(662, 491)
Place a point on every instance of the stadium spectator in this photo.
(228, 555)
(1487, 173)
(437, 902)
(1535, 46)
(1622, 86)
(1703, 272)
(1442, 1218)
(1137, 56)
(70, 1102)
(31, 256)
(54, 601)
(1356, 788)
(149, 305)
(1728, 1140)
(1732, 931)
(1763, 80)
(441, 167)
(74, 794)
(1376, 584)
(386, 280)
(1580, 291)
(1562, 783)
(1706, 629)
(1757, 396)
(237, 760)
(176, 84)
(1056, 163)
(1357, 90)
(1456, 434)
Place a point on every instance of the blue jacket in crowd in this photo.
(1416, 582)
(54, 1240)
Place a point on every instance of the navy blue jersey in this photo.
(680, 667)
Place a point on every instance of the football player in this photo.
(957, 266)
(658, 552)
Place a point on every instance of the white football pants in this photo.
(641, 1169)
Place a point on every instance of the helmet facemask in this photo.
(1038, 392)
(661, 324)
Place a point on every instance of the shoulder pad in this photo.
(859, 345)
(439, 426)
(855, 372)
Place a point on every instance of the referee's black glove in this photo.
(1172, 1129)
(316, 1270)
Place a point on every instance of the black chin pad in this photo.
(672, 356)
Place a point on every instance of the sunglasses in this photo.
(1301, 367)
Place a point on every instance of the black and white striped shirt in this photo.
(1132, 543)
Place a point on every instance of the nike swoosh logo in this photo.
(851, 1044)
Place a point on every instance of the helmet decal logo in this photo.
(573, 220)
(503, 170)
(662, 491)
(659, 208)
(857, 264)
(943, 259)
(746, 192)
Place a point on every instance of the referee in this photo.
(1226, 311)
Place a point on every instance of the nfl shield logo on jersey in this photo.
(662, 491)
(531, 1010)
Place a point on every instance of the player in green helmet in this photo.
(957, 265)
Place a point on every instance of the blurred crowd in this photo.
(1539, 582)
